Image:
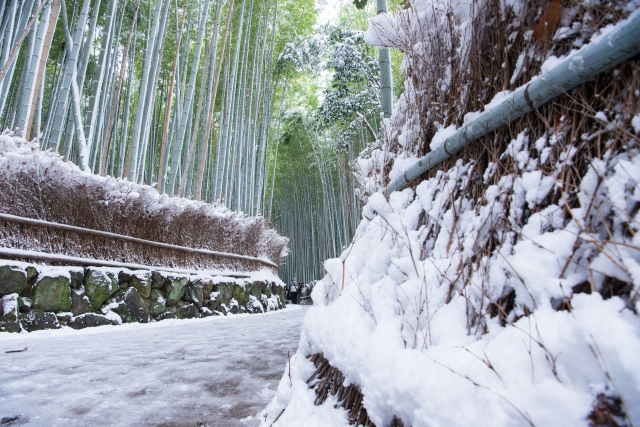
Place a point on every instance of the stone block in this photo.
(224, 290)
(77, 277)
(38, 320)
(136, 304)
(90, 320)
(52, 292)
(13, 279)
(158, 279)
(9, 315)
(99, 285)
(140, 279)
(215, 303)
(80, 303)
(174, 289)
(24, 304)
(156, 304)
(188, 311)
(195, 292)
(166, 315)
(207, 288)
(240, 295)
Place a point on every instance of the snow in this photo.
(219, 371)
(552, 62)
(635, 122)
(49, 271)
(400, 166)
(217, 276)
(388, 31)
(519, 65)
(328, 11)
(428, 28)
(452, 309)
(10, 304)
(214, 277)
(498, 99)
(106, 310)
(441, 136)
(395, 315)
(601, 115)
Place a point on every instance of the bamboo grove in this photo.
(331, 115)
(173, 93)
(315, 203)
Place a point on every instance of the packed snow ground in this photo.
(216, 371)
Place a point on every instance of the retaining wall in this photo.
(35, 297)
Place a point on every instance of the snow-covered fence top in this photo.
(601, 55)
(50, 206)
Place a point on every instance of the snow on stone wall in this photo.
(36, 297)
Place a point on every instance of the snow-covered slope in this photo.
(503, 290)
(434, 346)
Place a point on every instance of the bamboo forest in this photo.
(246, 103)
(320, 213)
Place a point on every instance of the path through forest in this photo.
(217, 371)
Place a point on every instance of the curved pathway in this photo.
(218, 371)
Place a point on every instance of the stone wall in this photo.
(35, 297)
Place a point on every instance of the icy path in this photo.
(218, 371)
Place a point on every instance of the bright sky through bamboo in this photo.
(328, 10)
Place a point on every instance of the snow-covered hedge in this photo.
(503, 289)
(41, 185)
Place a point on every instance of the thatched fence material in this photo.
(49, 206)
(61, 243)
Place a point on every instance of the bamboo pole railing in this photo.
(45, 256)
(58, 226)
(615, 47)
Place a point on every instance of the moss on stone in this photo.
(52, 293)
(224, 290)
(13, 280)
(240, 294)
(142, 282)
(174, 289)
(195, 292)
(156, 303)
(98, 287)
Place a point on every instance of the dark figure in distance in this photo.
(294, 288)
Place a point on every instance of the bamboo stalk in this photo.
(118, 89)
(212, 103)
(55, 10)
(167, 111)
(18, 43)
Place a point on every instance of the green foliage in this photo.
(355, 84)
(360, 4)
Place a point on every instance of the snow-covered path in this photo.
(217, 371)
